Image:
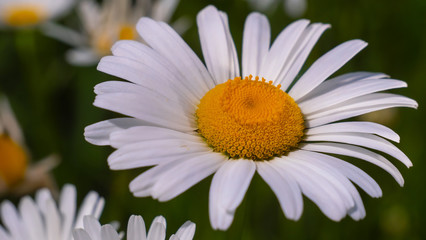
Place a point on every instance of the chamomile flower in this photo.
(135, 230)
(189, 121)
(18, 175)
(105, 24)
(44, 219)
(26, 13)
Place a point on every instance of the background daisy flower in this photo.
(17, 175)
(25, 13)
(107, 23)
(135, 230)
(44, 219)
(190, 121)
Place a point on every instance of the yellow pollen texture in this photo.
(19, 16)
(127, 32)
(13, 161)
(248, 118)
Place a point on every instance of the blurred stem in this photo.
(26, 46)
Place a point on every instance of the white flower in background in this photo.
(189, 121)
(17, 175)
(43, 219)
(105, 24)
(135, 230)
(293, 8)
(25, 13)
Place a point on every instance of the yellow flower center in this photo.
(13, 161)
(127, 32)
(23, 15)
(104, 41)
(246, 118)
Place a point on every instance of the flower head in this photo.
(135, 230)
(43, 218)
(17, 175)
(189, 121)
(25, 13)
(105, 24)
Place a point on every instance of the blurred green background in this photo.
(53, 103)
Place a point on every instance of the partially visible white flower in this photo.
(24, 13)
(105, 24)
(293, 8)
(17, 176)
(135, 230)
(44, 219)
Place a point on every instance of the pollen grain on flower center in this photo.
(246, 118)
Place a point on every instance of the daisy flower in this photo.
(42, 219)
(17, 175)
(135, 230)
(105, 24)
(190, 121)
(25, 13)
(293, 8)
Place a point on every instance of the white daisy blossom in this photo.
(189, 121)
(135, 230)
(105, 24)
(24, 13)
(17, 175)
(43, 219)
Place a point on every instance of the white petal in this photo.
(80, 234)
(126, 87)
(357, 152)
(82, 57)
(109, 233)
(88, 207)
(31, 218)
(92, 227)
(277, 56)
(316, 188)
(67, 207)
(173, 82)
(217, 45)
(227, 190)
(284, 187)
(136, 228)
(153, 76)
(152, 109)
(360, 127)
(186, 231)
(8, 122)
(348, 91)
(147, 133)
(162, 10)
(341, 80)
(340, 179)
(169, 44)
(13, 221)
(355, 174)
(300, 53)
(152, 152)
(157, 231)
(325, 66)
(4, 235)
(364, 140)
(256, 40)
(53, 221)
(99, 133)
(186, 174)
